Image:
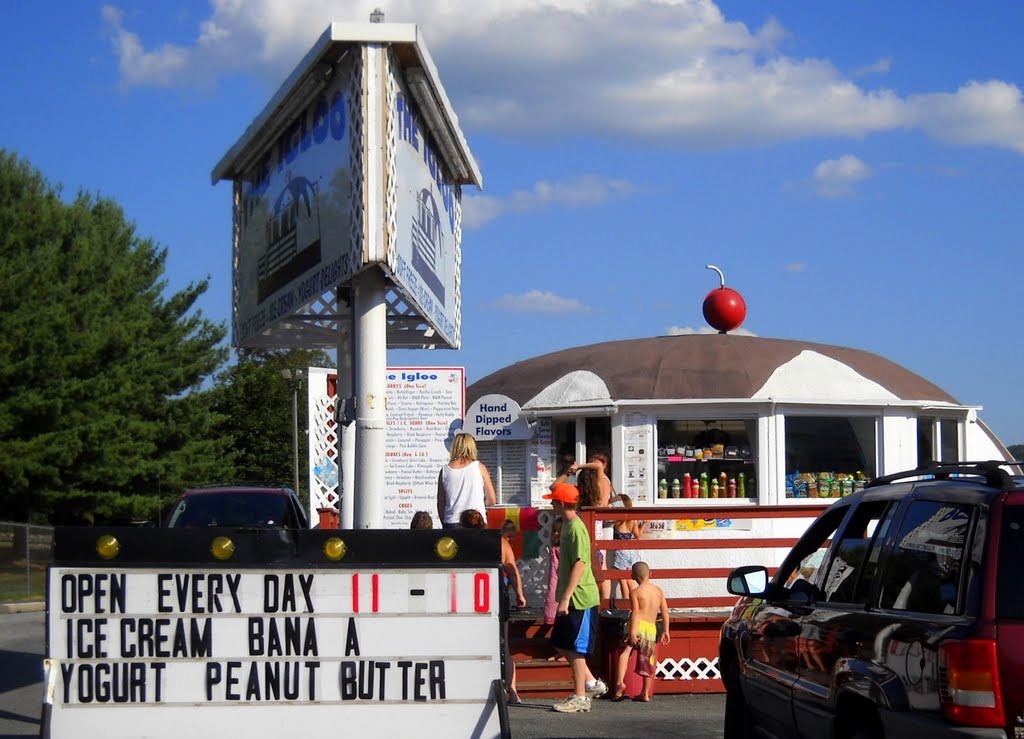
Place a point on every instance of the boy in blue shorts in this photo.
(575, 631)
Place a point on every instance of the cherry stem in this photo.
(721, 275)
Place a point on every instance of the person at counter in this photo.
(463, 484)
(596, 492)
(566, 463)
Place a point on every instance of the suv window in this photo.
(234, 509)
(804, 560)
(923, 572)
(1009, 595)
(854, 564)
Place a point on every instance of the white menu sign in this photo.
(425, 410)
(272, 652)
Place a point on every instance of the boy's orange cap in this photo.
(564, 493)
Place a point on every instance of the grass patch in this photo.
(18, 585)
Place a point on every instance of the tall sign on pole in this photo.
(348, 225)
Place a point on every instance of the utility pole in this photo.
(294, 378)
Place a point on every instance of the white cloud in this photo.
(674, 73)
(882, 66)
(796, 267)
(573, 192)
(161, 67)
(687, 330)
(978, 114)
(539, 301)
(835, 178)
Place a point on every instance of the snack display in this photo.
(823, 484)
(705, 459)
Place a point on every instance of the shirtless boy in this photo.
(646, 601)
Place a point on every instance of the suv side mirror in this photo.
(748, 580)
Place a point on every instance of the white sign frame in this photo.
(97, 617)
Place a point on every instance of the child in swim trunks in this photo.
(647, 601)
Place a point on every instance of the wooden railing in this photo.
(591, 517)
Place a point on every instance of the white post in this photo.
(370, 358)
(369, 314)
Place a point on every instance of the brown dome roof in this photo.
(693, 366)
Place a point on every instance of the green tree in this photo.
(101, 402)
(254, 400)
(1016, 451)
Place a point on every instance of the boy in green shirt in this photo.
(575, 631)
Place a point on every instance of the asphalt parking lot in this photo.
(697, 716)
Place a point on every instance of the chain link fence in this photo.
(25, 551)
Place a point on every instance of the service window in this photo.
(923, 572)
(598, 435)
(574, 439)
(706, 458)
(938, 440)
(829, 456)
(563, 442)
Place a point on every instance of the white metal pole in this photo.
(370, 358)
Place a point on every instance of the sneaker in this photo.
(572, 704)
(597, 689)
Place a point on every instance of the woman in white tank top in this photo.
(463, 483)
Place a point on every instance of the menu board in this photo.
(636, 457)
(425, 410)
(514, 471)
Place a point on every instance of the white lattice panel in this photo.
(390, 165)
(535, 570)
(701, 668)
(355, 111)
(458, 264)
(323, 451)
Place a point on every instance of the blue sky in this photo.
(854, 168)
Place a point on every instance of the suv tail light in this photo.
(969, 682)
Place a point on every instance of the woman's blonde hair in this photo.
(463, 447)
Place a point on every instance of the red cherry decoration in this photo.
(724, 308)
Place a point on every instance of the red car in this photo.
(899, 613)
(244, 506)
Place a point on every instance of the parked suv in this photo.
(239, 505)
(899, 613)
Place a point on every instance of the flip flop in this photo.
(619, 697)
(641, 699)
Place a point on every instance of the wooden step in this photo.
(543, 679)
(530, 650)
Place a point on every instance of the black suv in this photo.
(899, 613)
(239, 505)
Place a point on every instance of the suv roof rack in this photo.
(992, 470)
